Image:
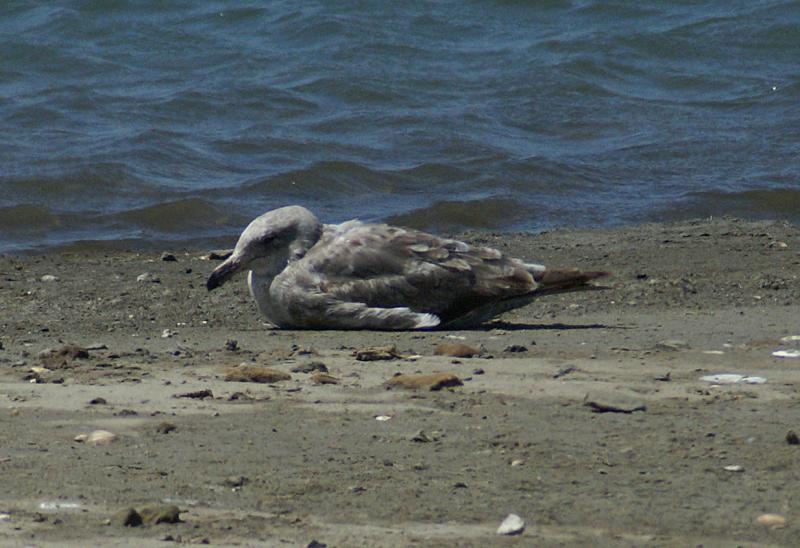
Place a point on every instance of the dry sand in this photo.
(292, 462)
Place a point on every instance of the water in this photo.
(151, 124)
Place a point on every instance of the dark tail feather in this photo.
(560, 281)
(550, 282)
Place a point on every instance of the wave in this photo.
(454, 216)
(188, 216)
(26, 218)
(326, 178)
(84, 185)
(776, 203)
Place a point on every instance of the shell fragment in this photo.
(732, 378)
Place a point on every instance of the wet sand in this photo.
(292, 462)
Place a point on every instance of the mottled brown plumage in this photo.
(373, 276)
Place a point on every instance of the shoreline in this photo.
(203, 245)
(688, 299)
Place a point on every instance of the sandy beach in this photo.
(585, 414)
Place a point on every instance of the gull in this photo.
(304, 274)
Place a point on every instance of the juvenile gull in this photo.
(307, 275)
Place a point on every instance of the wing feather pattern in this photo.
(384, 267)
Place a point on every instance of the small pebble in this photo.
(49, 278)
(456, 350)
(433, 382)
(516, 348)
(160, 513)
(377, 353)
(165, 428)
(240, 396)
(310, 367)
(168, 257)
(565, 371)
(235, 481)
(613, 403)
(792, 438)
(775, 521)
(231, 345)
(258, 374)
(672, 345)
(55, 357)
(217, 255)
(126, 413)
(421, 437)
(98, 401)
(323, 378)
(128, 517)
(147, 278)
(196, 394)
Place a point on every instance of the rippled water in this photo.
(139, 123)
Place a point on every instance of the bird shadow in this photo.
(558, 326)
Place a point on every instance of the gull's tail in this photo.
(562, 281)
(548, 282)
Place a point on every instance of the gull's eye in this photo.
(266, 241)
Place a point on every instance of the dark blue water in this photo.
(144, 124)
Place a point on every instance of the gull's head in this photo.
(269, 243)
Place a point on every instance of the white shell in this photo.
(512, 525)
(59, 505)
(786, 353)
(733, 378)
(98, 437)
